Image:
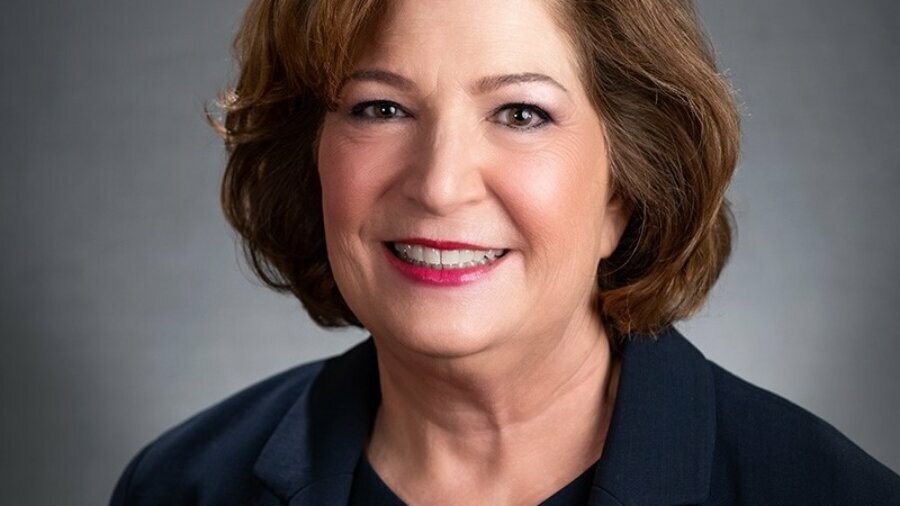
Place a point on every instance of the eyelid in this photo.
(546, 117)
(356, 111)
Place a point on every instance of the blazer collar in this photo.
(310, 457)
(658, 450)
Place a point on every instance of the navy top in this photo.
(683, 431)
(369, 490)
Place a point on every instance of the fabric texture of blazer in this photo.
(684, 431)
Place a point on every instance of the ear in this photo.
(615, 218)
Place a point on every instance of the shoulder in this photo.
(770, 451)
(213, 453)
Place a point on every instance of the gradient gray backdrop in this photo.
(123, 308)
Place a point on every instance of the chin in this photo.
(439, 336)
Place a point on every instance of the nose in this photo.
(445, 174)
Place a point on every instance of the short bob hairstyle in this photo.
(671, 122)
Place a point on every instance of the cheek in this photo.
(355, 172)
(555, 194)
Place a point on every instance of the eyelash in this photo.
(358, 112)
(544, 116)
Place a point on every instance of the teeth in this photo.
(445, 259)
(450, 257)
(432, 256)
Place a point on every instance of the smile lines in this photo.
(434, 258)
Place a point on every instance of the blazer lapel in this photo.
(659, 449)
(310, 457)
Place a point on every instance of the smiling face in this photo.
(465, 181)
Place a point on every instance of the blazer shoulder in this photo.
(215, 448)
(775, 452)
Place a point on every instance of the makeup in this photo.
(442, 263)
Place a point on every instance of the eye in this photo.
(378, 110)
(522, 116)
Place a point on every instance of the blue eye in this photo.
(522, 116)
(378, 110)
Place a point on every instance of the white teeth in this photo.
(445, 259)
(450, 257)
(432, 256)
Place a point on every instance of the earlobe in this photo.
(615, 220)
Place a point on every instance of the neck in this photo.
(485, 420)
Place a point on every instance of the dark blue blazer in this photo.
(684, 431)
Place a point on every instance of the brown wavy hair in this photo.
(671, 121)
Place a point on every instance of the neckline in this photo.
(658, 450)
(368, 488)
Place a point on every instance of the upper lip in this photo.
(441, 245)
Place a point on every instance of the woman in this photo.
(517, 199)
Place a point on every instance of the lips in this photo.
(442, 263)
(444, 258)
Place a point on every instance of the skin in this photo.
(497, 391)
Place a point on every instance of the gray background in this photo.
(124, 309)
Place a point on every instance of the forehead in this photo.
(432, 39)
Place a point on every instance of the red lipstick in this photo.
(442, 244)
(440, 277)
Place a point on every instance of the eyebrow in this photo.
(380, 76)
(482, 86)
(493, 83)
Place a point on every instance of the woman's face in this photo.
(465, 134)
